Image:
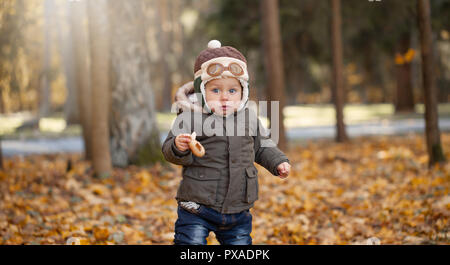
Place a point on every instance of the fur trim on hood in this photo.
(187, 100)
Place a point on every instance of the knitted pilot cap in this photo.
(214, 50)
(215, 53)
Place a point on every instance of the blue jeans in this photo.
(192, 228)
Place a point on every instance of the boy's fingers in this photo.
(284, 170)
(184, 138)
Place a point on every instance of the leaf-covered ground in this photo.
(376, 187)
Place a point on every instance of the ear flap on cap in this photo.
(197, 83)
(197, 89)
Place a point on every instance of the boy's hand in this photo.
(283, 170)
(182, 141)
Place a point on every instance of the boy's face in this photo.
(223, 95)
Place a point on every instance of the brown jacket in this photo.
(225, 178)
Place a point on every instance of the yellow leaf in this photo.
(101, 233)
(399, 59)
(409, 55)
(99, 189)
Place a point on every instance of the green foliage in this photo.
(236, 23)
(438, 154)
(371, 32)
(150, 152)
(440, 10)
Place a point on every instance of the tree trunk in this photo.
(100, 92)
(2, 105)
(134, 132)
(176, 8)
(273, 61)
(368, 61)
(405, 97)
(1, 154)
(164, 44)
(65, 43)
(78, 31)
(338, 81)
(433, 136)
(44, 93)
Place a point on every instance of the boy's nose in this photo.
(224, 96)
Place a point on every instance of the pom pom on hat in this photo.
(214, 44)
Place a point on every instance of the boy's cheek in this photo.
(213, 103)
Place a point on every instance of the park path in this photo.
(382, 127)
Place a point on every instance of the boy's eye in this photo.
(215, 90)
(232, 91)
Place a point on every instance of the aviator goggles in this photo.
(216, 69)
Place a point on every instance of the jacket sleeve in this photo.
(267, 153)
(171, 152)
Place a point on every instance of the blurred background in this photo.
(86, 89)
(41, 40)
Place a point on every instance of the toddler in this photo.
(218, 189)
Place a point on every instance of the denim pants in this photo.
(193, 227)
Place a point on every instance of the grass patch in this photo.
(295, 116)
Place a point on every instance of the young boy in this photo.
(219, 188)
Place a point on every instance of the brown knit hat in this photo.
(211, 53)
(226, 56)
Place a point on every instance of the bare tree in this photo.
(65, 43)
(2, 107)
(405, 97)
(338, 79)
(433, 135)
(1, 154)
(134, 133)
(273, 62)
(100, 92)
(178, 40)
(164, 43)
(78, 31)
(44, 93)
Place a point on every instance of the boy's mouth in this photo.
(227, 108)
(223, 107)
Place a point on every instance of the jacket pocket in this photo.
(199, 185)
(252, 185)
